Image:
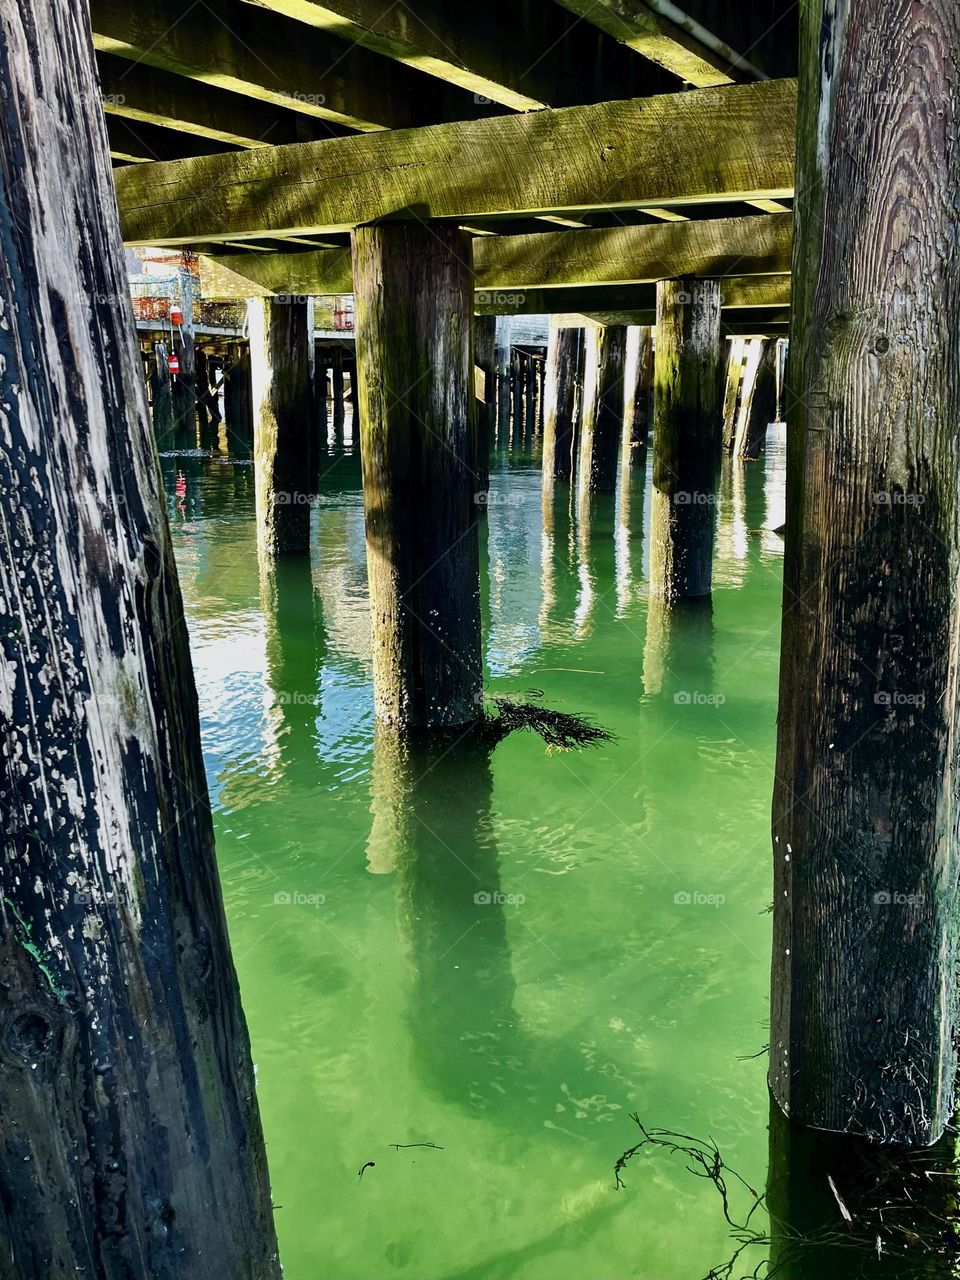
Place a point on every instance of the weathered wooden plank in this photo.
(246, 50)
(139, 92)
(620, 255)
(725, 144)
(130, 1140)
(864, 999)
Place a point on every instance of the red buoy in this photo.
(176, 313)
(173, 362)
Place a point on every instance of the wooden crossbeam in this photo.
(619, 255)
(263, 55)
(141, 93)
(638, 25)
(463, 46)
(732, 143)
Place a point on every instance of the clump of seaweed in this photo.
(559, 730)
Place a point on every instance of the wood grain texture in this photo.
(282, 423)
(734, 247)
(638, 393)
(414, 336)
(706, 145)
(130, 1141)
(865, 812)
(686, 438)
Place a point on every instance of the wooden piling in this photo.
(485, 356)
(564, 345)
(686, 438)
(516, 393)
(161, 397)
(864, 1000)
(603, 408)
(638, 379)
(130, 1140)
(280, 376)
(414, 331)
(238, 397)
(184, 383)
(339, 404)
(736, 352)
(758, 399)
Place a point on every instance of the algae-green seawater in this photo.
(502, 953)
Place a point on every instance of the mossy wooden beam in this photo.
(140, 93)
(246, 50)
(616, 256)
(713, 145)
(462, 45)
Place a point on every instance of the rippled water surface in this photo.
(503, 954)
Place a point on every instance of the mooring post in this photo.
(736, 350)
(758, 403)
(686, 438)
(280, 377)
(865, 940)
(560, 388)
(130, 1140)
(603, 408)
(161, 397)
(413, 286)
(637, 379)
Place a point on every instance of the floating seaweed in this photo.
(559, 730)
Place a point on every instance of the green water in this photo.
(388, 1001)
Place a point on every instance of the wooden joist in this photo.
(262, 55)
(143, 94)
(638, 25)
(615, 256)
(139, 143)
(462, 45)
(714, 145)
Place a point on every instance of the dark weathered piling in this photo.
(130, 1141)
(502, 353)
(758, 402)
(336, 393)
(686, 438)
(485, 328)
(238, 396)
(161, 397)
(185, 382)
(530, 399)
(559, 394)
(864, 1000)
(638, 394)
(603, 405)
(282, 415)
(414, 312)
(517, 358)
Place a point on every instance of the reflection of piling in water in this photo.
(898, 1215)
(431, 799)
(294, 653)
(678, 651)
